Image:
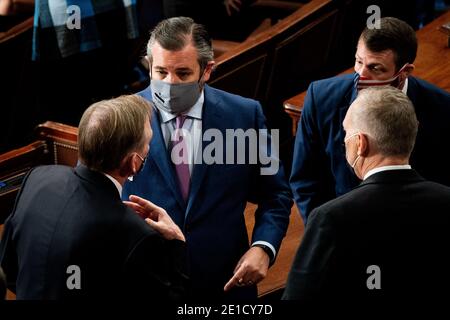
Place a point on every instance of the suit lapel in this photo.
(211, 119)
(159, 154)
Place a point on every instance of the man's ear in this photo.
(127, 166)
(363, 145)
(208, 70)
(409, 69)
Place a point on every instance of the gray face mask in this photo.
(175, 98)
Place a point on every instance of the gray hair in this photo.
(110, 129)
(387, 115)
(175, 33)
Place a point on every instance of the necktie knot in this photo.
(180, 121)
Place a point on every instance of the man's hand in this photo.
(156, 217)
(251, 269)
(232, 4)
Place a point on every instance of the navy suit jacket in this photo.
(213, 218)
(320, 171)
(395, 220)
(65, 216)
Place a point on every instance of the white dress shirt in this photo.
(386, 168)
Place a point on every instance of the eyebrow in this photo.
(376, 64)
(183, 69)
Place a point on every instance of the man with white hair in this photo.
(386, 239)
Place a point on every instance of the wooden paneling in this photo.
(277, 275)
(14, 165)
(271, 65)
(61, 140)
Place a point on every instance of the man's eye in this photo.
(161, 72)
(376, 69)
(183, 74)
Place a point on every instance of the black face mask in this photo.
(141, 168)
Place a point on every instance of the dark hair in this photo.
(110, 129)
(175, 33)
(393, 34)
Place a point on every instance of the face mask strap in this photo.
(354, 162)
(393, 78)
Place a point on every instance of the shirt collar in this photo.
(194, 112)
(405, 86)
(116, 183)
(387, 168)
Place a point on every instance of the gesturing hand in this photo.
(156, 217)
(250, 270)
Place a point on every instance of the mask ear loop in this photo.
(354, 162)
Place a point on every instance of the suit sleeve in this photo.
(8, 257)
(8, 253)
(313, 262)
(157, 270)
(269, 189)
(308, 180)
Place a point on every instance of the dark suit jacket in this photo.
(395, 220)
(213, 220)
(320, 171)
(65, 216)
(2, 284)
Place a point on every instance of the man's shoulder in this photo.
(336, 84)
(436, 189)
(329, 94)
(227, 104)
(426, 87)
(346, 203)
(211, 92)
(51, 172)
(146, 93)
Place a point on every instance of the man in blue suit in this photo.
(384, 56)
(205, 186)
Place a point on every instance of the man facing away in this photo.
(386, 240)
(70, 236)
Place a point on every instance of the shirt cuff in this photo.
(274, 252)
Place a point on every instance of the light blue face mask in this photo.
(175, 98)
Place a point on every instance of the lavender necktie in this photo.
(182, 169)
